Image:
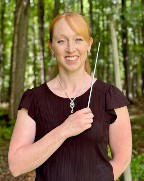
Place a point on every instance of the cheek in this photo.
(84, 50)
(58, 51)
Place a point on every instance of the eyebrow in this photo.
(63, 35)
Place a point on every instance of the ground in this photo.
(137, 120)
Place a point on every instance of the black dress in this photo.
(83, 157)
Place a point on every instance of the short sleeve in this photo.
(28, 102)
(114, 99)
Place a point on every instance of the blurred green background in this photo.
(26, 61)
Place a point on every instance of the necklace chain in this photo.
(72, 104)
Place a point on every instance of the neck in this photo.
(72, 82)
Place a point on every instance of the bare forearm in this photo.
(29, 157)
(119, 167)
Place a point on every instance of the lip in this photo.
(72, 58)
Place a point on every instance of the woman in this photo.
(55, 132)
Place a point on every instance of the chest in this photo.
(56, 110)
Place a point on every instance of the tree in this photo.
(18, 55)
(81, 6)
(127, 173)
(2, 48)
(41, 38)
(91, 14)
(125, 50)
(53, 70)
(34, 53)
(115, 54)
(142, 55)
(56, 7)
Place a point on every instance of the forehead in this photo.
(62, 27)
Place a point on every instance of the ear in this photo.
(90, 44)
(50, 46)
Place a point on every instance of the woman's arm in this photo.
(120, 140)
(25, 155)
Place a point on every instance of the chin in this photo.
(74, 68)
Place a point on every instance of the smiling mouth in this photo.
(71, 58)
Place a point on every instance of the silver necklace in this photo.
(72, 104)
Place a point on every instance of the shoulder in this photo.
(33, 93)
(112, 94)
(36, 90)
(102, 86)
(31, 96)
(106, 87)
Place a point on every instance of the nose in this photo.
(70, 47)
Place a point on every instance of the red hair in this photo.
(78, 24)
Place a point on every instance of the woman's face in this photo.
(69, 48)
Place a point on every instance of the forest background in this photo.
(26, 61)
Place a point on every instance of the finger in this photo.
(89, 116)
(87, 126)
(85, 110)
(88, 121)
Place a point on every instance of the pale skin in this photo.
(26, 155)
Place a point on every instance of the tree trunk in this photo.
(127, 173)
(18, 56)
(134, 72)
(142, 54)
(56, 7)
(41, 38)
(81, 6)
(53, 70)
(115, 55)
(125, 51)
(34, 54)
(103, 47)
(109, 72)
(109, 75)
(2, 48)
(91, 14)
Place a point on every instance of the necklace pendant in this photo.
(72, 105)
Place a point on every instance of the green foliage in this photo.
(137, 167)
(3, 111)
(97, 13)
(6, 131)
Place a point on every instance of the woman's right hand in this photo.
(77, 122)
